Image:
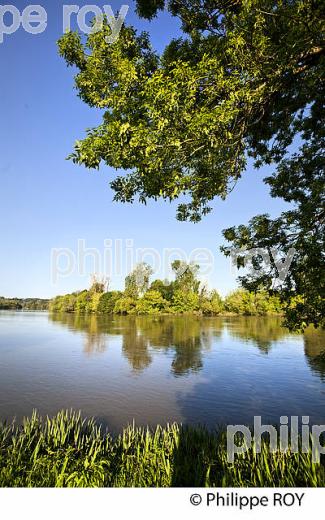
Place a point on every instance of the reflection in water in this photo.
(262, 331)
(135, 346)
(187, 336)
(94, 330)
(159, 369)
(314, 341)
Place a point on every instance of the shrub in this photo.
(185, 301)
(125, 305)
(151, 303)
(107, 302)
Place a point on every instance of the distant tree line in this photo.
(183, 295)
(27, 304)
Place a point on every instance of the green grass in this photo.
(68, 451)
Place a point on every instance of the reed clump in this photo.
(69, 451)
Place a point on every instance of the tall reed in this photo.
(69, 451)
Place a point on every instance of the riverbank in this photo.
(173, 302)
(68, 451)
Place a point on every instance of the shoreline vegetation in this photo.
(69, 451)
(23, 304)
(185, 295)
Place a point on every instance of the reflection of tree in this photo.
(314, 341)
(94, 329)
(135, 345)
(188, 359)
(189, 336)
(263, 331)
(186, 337)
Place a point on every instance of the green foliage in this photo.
(68, 451)
(165, 288)
(186, 276)
(185, 301)
(25, 304)
(107, 302)
(245, 79)
(251, 304)
(211, 304)
(99, 284)
(152, 303)
(180, 296)
(182, 122)
(94, 302)
(82, 303)
(125, 305)
(137, 282)
(78, 301)
(302, 231)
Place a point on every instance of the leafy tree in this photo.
(183, 121)
(211, 304)
(244, 80)
(301, 230)
(125, 305)
(151, 303)
(250, 304)
(137, 282)
(94, 301)
(186, 276)
(83, 302)
(107, 302)
(99, 284)
(185, 301)
(165, 288)
(236, 302)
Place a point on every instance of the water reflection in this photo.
(262, 331)
(159, 369)
(314, 343)
(188, 338)
(94, 330)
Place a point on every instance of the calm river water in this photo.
(157, 370)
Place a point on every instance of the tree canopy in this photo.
(245, 80)
(184, 295)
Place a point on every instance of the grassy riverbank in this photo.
(69, 451)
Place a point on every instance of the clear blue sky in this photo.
(47, 202)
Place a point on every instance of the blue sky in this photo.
(47, 202)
